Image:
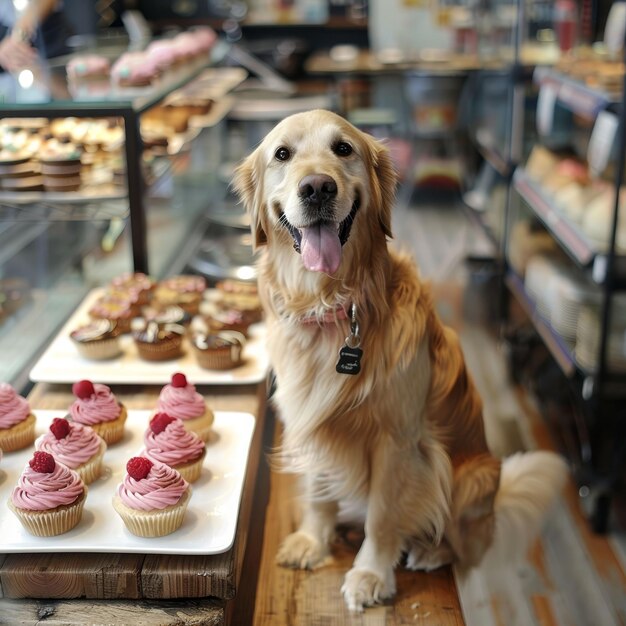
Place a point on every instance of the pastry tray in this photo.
(211, 518)
(61, 362)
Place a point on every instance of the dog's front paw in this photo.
(363, 587)
(301, 551)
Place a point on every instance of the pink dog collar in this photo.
(328, 318)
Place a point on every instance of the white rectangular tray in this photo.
(61, 362)
(211, 518)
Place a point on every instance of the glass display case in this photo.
(139, 204)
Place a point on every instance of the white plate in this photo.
(211, 517)
(61, 363)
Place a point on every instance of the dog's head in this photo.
(312, 183)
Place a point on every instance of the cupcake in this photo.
(96, 406)
(136, 284)
(165, 314)
(17, 422)
(158, 342)
(168, 441)
(76, 446)
(49, 497)
(98, 340)
(115, 308)
(180, 399)
(152, 498)
(221, 350)
(185, 290)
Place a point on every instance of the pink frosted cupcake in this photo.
(180, 399)
(96, 406)
(152, 498)
(17, 422)
(168, 441)
(76, 446)
(49, 497)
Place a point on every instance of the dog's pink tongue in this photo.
(321, 248)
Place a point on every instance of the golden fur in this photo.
(405, 436)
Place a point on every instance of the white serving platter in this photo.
(61, 362)
(211, 517)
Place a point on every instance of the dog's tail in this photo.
(530, 482)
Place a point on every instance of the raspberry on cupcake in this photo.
(17, 422)
(152, 498)
(168, 441)
(75, 445)
(96, 406)
(49, 497)
(180, 399)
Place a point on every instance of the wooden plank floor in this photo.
(571, 576)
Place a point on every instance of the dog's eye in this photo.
(342, 149)
(282, 154)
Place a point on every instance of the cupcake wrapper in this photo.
(216, 359)
(153, 523)
(100, 350)
(19, 436)
(163, 351)
(51, 523)
(191, 471)
(92, 469)
(112, 431)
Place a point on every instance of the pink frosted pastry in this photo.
(168, 441)
(88, 67)
(134, 69)
(180, 399)
(17, 422)
(162, 53)
(152, 498)
(96, 406)
(205, 37)
(49, 497)
(75, 445)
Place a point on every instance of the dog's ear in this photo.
(248, 186)
(384, 181)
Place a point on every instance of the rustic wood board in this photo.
(112, 613)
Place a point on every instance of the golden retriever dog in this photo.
(377, 404)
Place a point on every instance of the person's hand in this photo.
(16, 54)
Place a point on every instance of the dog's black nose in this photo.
(317, 188)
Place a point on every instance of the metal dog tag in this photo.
(349, 360)
(350, 354)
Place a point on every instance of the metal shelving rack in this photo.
(599, 393)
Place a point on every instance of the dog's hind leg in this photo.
(309, 546)
(409, 495)
(470, 530)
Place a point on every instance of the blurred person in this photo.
(31, 29)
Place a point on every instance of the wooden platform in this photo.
(294, 597)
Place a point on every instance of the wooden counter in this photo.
(117, 588)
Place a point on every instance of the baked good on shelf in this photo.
(97, 406)
(165, 314)
(183, 290)
(98, 340)
(134, 69)
(17, 422)
(115, 309)
(49, 497)
(218, 351)
(180, 399)
(152, 498)
(168, 441)
(88, 67)
(157, 342)
(60, 166)
(75, 445)
(135, 284)
(541, 163)
(214, 318)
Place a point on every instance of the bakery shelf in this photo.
(575, 95)
(567, 234)
(558, 347)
